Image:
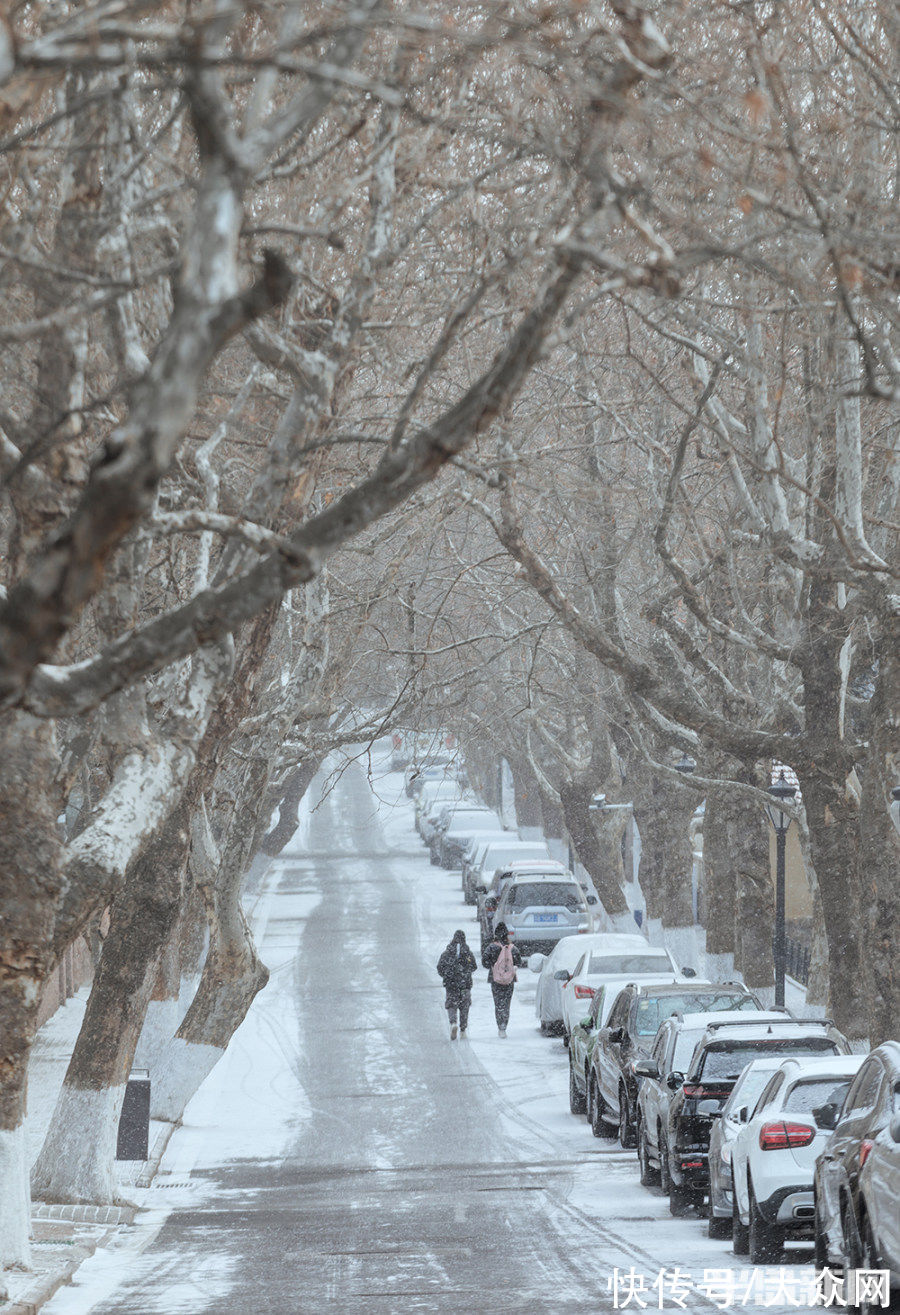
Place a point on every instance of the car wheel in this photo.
(626, 1131)
(821, 1240)
(599, 1125)
(577, 1101)
(665, 1180)
(766, 1242)
(740, 1233)
(649, 1175)
(869, 1260)
(716, 1227)
(851, 1246)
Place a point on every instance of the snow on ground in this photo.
(531, 1075)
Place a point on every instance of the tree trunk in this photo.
(593, 849)
(754, 906)
(232, 975)
(527, 794)
(880, 843)
(289, 808)
(718, 882)
(30, 886)
(76, 1163)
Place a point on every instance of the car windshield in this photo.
(654, 1010)
(541, 894)
(621, 964)
(727, 1064)
(804, 1097)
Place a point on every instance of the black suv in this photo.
(633, 1022)
(722, 1052)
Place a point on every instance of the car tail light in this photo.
(781, 1136)
(864, 1147)
(695, 1091)
(583, 992)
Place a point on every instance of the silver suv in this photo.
(541, 910)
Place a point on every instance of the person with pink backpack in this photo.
(501, 958)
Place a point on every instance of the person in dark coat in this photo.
(455, 968)
(491, 959)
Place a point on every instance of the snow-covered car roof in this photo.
(798, 1067)
(569, 950)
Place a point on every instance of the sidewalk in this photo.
(65, 1235)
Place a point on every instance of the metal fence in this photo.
(797, 960)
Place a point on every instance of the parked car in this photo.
(548, 995)
(476, 845)
(541, 910)
(497, 854)
(728, 1043)
(670, 1053)
(628, 1033)
(582, 1040)
(431, 815)
(452, 839)
(622, 957)
(875, 1243)
(432, 797)
(773, 1157)
(418, 775)
(746, 1091)
(872, 1103)
(490, 898)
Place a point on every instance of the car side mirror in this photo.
(586, 1023)
(536, 962)
(675, 1079)
(491, 905)
(826, 1116)
(592, 899)
(646, 1068)
(689, 972)
(743, 1114)
(617, 1035)
(562, 976)
(895, 1127)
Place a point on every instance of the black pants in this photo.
(458, 1000)
(502, 1001)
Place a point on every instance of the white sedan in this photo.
(773, 1157)
(618, 958)
(556, 970)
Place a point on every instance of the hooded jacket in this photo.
(457, 964)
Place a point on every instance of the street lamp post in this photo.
(781, 791)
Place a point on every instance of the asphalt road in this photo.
(403, 1191)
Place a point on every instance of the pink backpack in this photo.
(504, 969)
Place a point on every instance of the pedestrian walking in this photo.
(455, 968)
(501, 958)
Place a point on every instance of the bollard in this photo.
(134, 1121)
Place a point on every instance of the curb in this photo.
(113, 1216)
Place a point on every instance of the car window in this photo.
(685, 1044)
(541, 894)
(619, 1011)
(620, 964)
(769, 1091)
(864, 1091)
(809, 1093)
(726, 1063)
(747, 1089)
(653, 1010)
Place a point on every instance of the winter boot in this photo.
(453, 1031)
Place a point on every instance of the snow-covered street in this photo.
(347, 1156)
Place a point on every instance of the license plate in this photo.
(546, 917)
